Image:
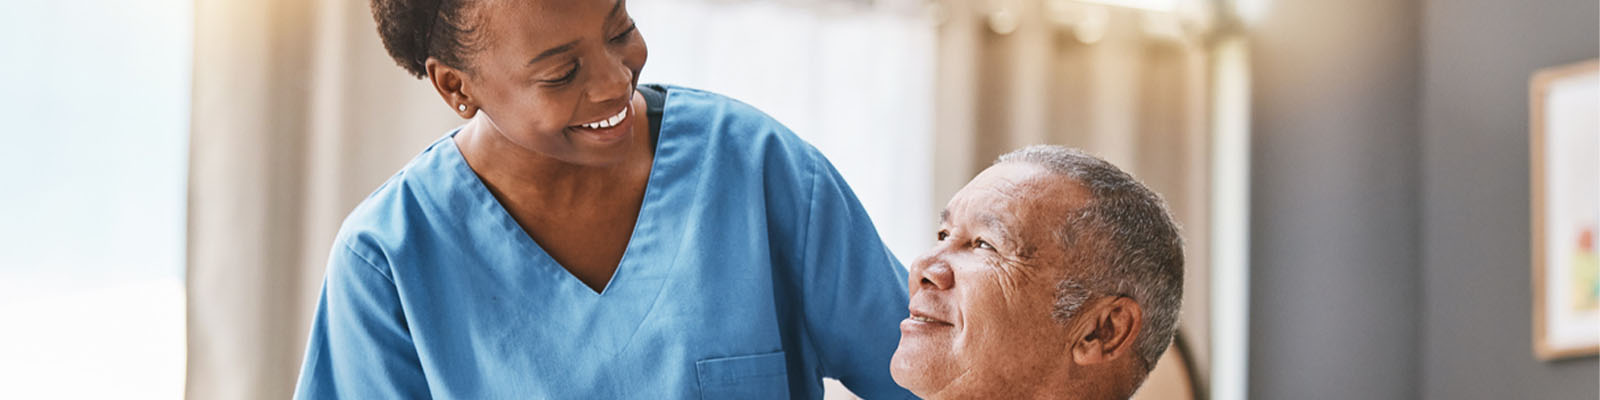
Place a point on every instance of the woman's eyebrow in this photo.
(615, 8)
(568, 46)
(554, 51)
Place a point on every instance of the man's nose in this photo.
(931, 272)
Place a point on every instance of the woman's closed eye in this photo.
(572, 73)
(626, 34)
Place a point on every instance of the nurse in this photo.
(585, 237)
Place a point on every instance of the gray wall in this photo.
(1390, 198)
(1478, 56)
(1334, 278)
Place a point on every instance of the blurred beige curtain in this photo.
(1124, 84)
(298, 114)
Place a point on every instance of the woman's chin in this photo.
(604, 137)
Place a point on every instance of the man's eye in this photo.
(943, 235)
(982, 244)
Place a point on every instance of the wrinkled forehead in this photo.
(1023, 198)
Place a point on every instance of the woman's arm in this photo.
(359, 346)
(855, 290)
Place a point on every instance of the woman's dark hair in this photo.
(413, 30)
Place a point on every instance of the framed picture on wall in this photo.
(1565, 156)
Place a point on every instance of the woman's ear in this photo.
(1107, 331)
(451, 83)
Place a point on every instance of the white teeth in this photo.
(608, 122)
(922, 319)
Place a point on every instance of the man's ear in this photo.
(1107, 331)
(452, 86)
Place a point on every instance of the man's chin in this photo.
(915, 368)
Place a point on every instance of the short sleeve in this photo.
(855, 289)
(359, 347)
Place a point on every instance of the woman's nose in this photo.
(612, 84)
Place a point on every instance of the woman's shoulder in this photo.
(708, 106)
(728, 126)
(385, 216)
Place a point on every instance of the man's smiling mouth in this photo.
(924, 318)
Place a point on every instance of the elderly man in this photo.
(1055, 276)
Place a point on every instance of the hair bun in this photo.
(410, 28)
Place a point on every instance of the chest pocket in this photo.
(760, 376)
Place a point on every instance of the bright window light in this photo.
(1151, 5)
(1250, 11)
(92, 220)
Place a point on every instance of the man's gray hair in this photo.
(1124, 241)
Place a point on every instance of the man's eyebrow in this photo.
(554, 51)
(944, 216)
(994, 223)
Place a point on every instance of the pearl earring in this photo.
(462, 107)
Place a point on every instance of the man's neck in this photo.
(1037, 385)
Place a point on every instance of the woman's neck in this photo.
(510, 169)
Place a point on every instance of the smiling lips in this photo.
(608, 122)
(924, 318)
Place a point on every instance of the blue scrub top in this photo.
(752, 273)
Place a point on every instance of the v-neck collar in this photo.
(642, 239)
